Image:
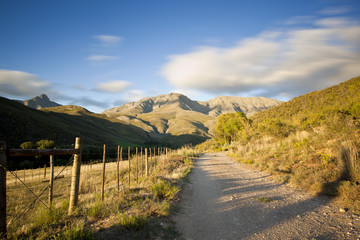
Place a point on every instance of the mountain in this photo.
(62, 124)
(169, 115)
(41, 101)
(171, 119)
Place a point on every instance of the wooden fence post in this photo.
(146, 162)
(142, 162)
(155, 157)
(44, 171)
(2, 190)
(137, 164)
(103, 175)
(150, 153)
(51, 184)
(129, 158)
(75, 178)
(117, 169)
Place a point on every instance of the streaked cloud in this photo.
(274, 63)
(101, 57)
(113, 86)
(300, 20)
(108, 40)
(20, 84)
(86, 101)
(335, 10)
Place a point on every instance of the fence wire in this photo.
(28, 190)
(23, 195)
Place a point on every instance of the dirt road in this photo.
(221, 202)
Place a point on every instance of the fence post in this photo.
(137, 165)
(142, 162)
(151, 160)
(44, 171)
(117, 169)
(51, 185)
(103, 175)
(129, 158)
(2, 190)
(154, 152)
(146, 162)
(75, 178)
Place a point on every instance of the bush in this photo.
(349, 195)
(132, 222)
(77, 231)
(164, 190)
(27, 145)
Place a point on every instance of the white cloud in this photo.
(134, 95)
(335, 10)
(113, 86)
(108, 40)
(289, 62)
(300, 20)
(22, 84)
(101, 57)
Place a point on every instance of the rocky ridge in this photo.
(175, 114)
(39, 102)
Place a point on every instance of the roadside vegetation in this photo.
(138, 212)
(311, 142)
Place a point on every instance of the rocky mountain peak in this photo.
(41, 101)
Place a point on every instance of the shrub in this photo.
(164, 190)
(77, 231)
(45, 144)
(27, 145)
(132, 222)
(264, 199)
(349, 195)
(98, 210)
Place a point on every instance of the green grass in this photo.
(164, 190)
(264, 199)
(132, 222)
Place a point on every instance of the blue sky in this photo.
(101, 54)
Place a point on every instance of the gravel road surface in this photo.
(221, 202)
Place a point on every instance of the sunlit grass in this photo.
(146, 199)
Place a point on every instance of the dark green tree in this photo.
(45, 144)
(27, 145)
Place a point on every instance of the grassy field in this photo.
(132, 212)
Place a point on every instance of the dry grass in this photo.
(136, 203)
(311, 161)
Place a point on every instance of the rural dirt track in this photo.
(220, 202)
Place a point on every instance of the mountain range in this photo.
(172, 119)
(176, 115)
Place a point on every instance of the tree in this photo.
(232, 127)
(45, 144)
(27, 145)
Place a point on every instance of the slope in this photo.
(19, 123)
(312, 142)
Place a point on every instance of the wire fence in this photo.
(27, 190)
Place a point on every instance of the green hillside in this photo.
(312, 141)
(19, 124)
